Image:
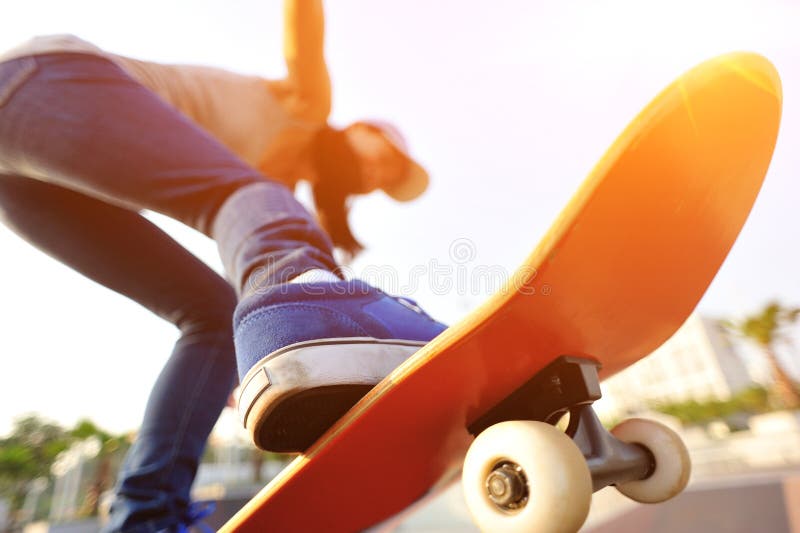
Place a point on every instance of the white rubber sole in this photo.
(290, 397)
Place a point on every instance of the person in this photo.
(88, 139)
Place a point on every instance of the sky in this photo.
(508, 104)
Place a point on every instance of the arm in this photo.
(303, 48)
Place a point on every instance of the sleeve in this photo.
(303, 48)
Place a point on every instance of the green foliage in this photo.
(764, 327)
(86, 428)
(754, 400)
(32, 447)
(16, 462)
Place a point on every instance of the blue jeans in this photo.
(84, 148)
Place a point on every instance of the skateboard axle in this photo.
(507, 486)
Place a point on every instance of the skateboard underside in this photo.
(617, 274)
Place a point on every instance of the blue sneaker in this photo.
(307, 352)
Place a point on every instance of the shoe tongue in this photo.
(316, 275)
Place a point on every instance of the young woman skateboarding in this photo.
(88, 139)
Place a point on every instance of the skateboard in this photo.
(622, 267)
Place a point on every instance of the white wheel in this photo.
(526, 476)
(672, 463)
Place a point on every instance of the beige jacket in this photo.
(269, 124)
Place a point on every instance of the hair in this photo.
(338, 176)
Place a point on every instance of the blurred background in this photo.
(508, 104)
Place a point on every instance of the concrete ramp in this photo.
(731, 506)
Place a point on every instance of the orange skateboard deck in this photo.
(619, 271)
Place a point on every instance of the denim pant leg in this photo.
(79, 121)
(127, 253)
(92, 137)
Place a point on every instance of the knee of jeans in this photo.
(212, 313)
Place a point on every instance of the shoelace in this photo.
(196, 512)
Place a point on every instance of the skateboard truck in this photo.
(558, 388)
(567, 385)
(610, 460)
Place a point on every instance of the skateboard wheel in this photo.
(672, 463)
(526, 476)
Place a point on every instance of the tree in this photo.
(30, 450)
(27, 453)
(764, 329)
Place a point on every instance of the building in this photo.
(699, 362)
